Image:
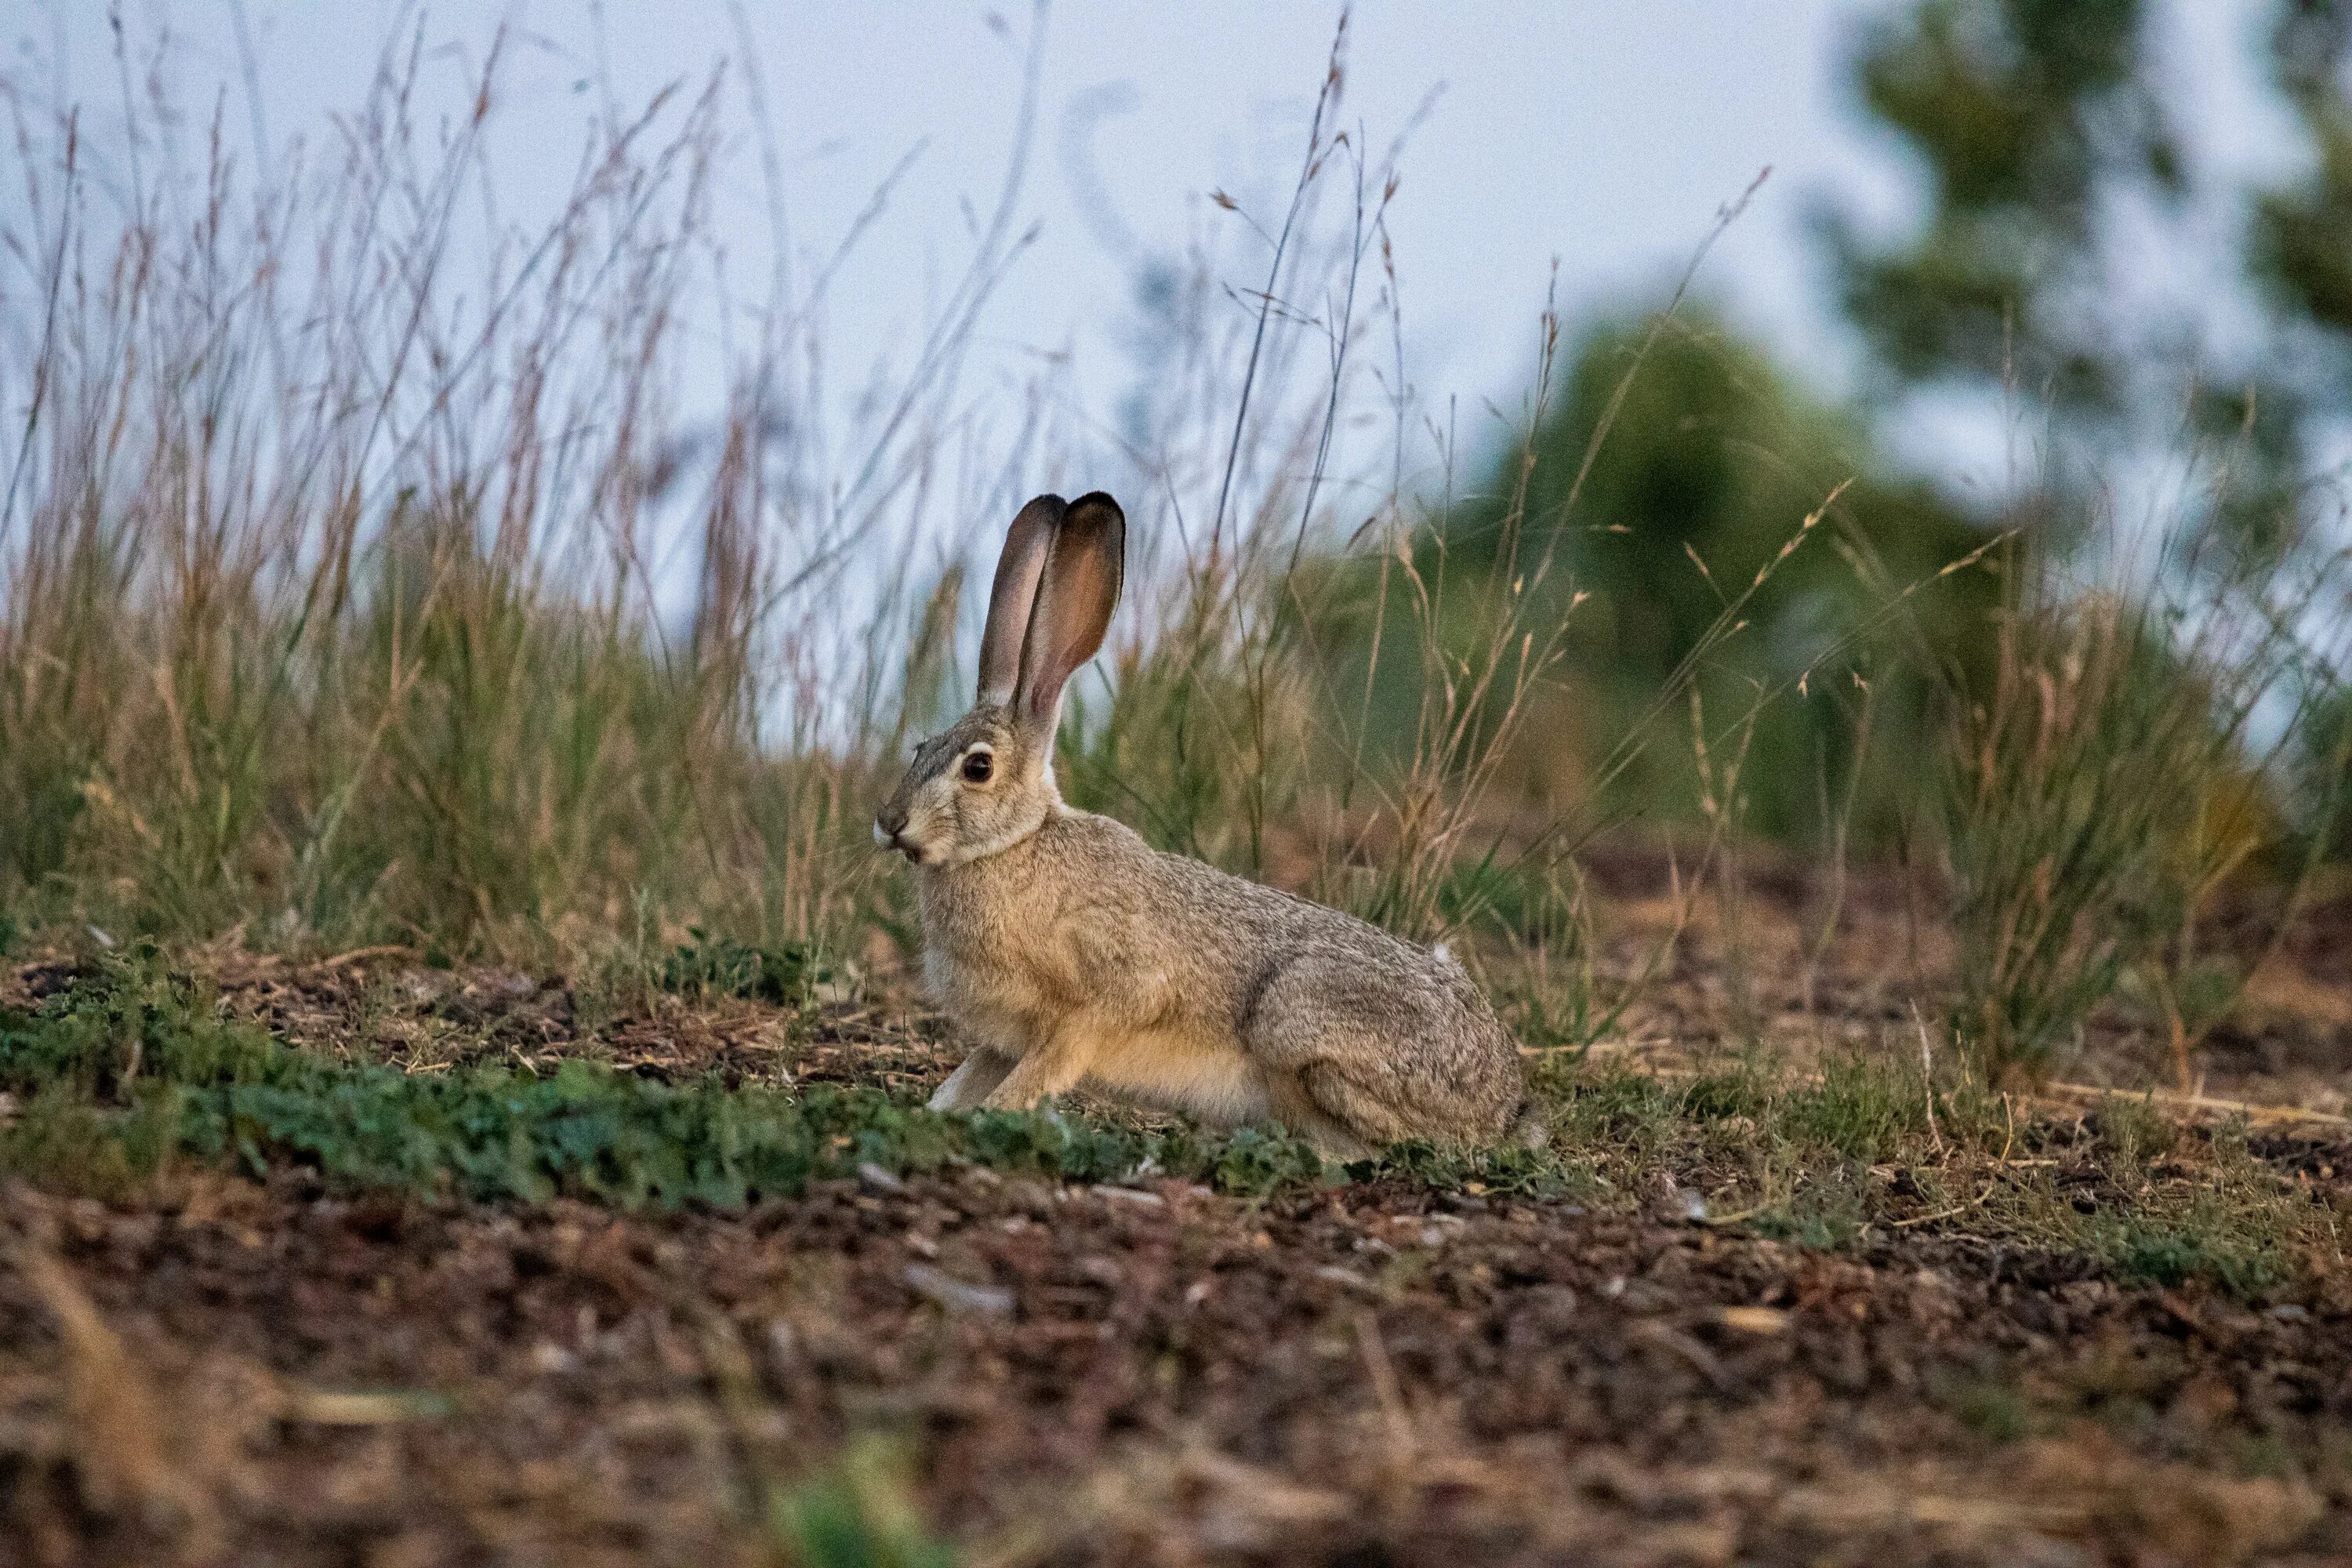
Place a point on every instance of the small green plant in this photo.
(1995, 1411)
(710, 965)
(2133, 1132)
(861, 1513)
(1715, 1096)
(1828, 1212)
(1617, 1110)
(1864, 1109)
(2230, 1228)
(2198, 1244)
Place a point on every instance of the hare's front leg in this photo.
(1051, 1067)
(970, 1084)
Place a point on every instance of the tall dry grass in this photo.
(2136, 752)
(367, 572)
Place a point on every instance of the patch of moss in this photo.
(132, 1069)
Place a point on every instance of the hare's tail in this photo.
(1530, 1129)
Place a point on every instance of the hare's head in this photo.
(987, 780)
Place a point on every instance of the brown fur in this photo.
(1068, 951)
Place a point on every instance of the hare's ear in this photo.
(1080, 589)
(1018, 572)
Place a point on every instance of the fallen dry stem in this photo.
(114, 1421)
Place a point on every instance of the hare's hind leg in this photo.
(1347, 1114)
(970, 1084)
(1331, 1054)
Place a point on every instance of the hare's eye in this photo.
(978, 766)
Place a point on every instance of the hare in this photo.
(1068, 949)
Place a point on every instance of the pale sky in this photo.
(1601, 134)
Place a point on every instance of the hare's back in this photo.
(1261, 932)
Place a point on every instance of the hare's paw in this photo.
(970, 1084)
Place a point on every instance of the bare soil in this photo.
(269, 1373)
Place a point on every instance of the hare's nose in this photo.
(888, 823)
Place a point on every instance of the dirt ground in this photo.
(267, 1373)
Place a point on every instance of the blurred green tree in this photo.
(2298, 251)
(2026, 119)
(2141, 313)
(1714, 458)
(2065, 257)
